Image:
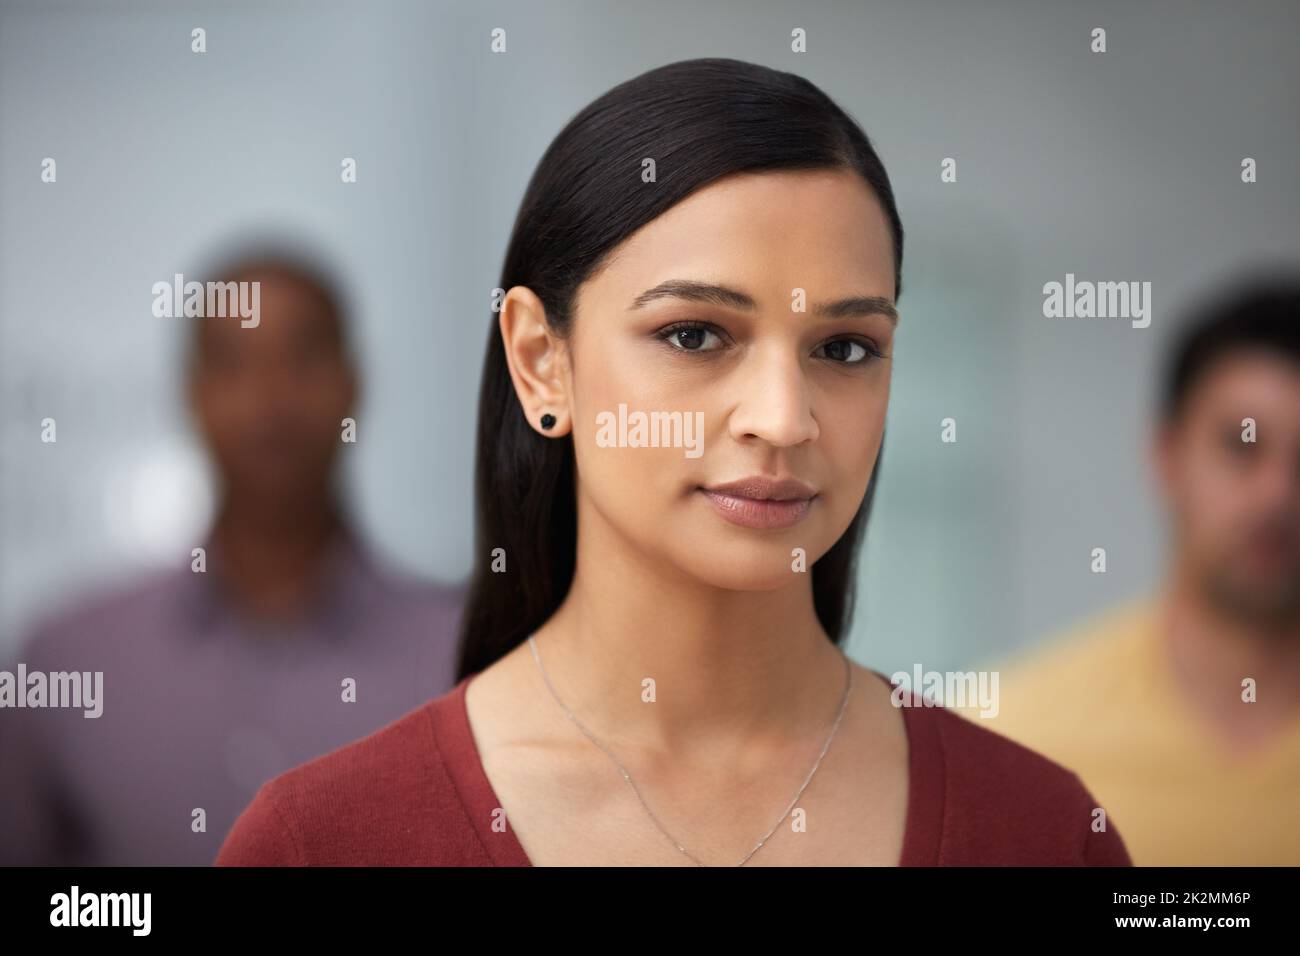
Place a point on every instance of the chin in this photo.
(745, 567)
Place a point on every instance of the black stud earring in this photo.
(548, 420)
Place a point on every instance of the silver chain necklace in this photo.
(848, 669)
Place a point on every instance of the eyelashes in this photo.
(673, 335)
(677, 336)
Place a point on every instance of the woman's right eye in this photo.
(688, 336)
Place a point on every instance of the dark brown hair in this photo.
(701, 120)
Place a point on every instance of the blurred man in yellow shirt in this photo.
(1181, 710)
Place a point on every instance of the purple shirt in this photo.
(201, 705)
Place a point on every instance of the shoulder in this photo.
(386, 799)
(1090, 650)
(399, 583)
(433, 595)
(1002, 803)
(101, 610)
(1041, 698)
(411, 607)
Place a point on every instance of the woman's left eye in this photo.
(850, 351)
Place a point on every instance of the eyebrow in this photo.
(856, 305)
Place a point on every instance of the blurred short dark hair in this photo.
(1253, 313)
(288, 257)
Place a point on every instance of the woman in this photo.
(681, 416)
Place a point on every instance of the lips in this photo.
(762, 502)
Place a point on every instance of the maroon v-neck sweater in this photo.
(414, 793)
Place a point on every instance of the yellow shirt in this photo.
(1102, 702)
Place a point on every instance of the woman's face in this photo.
(779, 371)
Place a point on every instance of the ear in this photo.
(193, 393)
(1163, 452)
(537, 358)
(355, 391)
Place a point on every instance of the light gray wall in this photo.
(1114, 166)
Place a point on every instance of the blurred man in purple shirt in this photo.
(281, 637)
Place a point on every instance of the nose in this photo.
(775, 401)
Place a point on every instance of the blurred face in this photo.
(269, 399)
(758, 311)
(1236, 504)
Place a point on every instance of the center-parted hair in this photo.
(699, 120)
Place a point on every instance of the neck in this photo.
(1211, 650)
(733, 665)
(271, 554)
